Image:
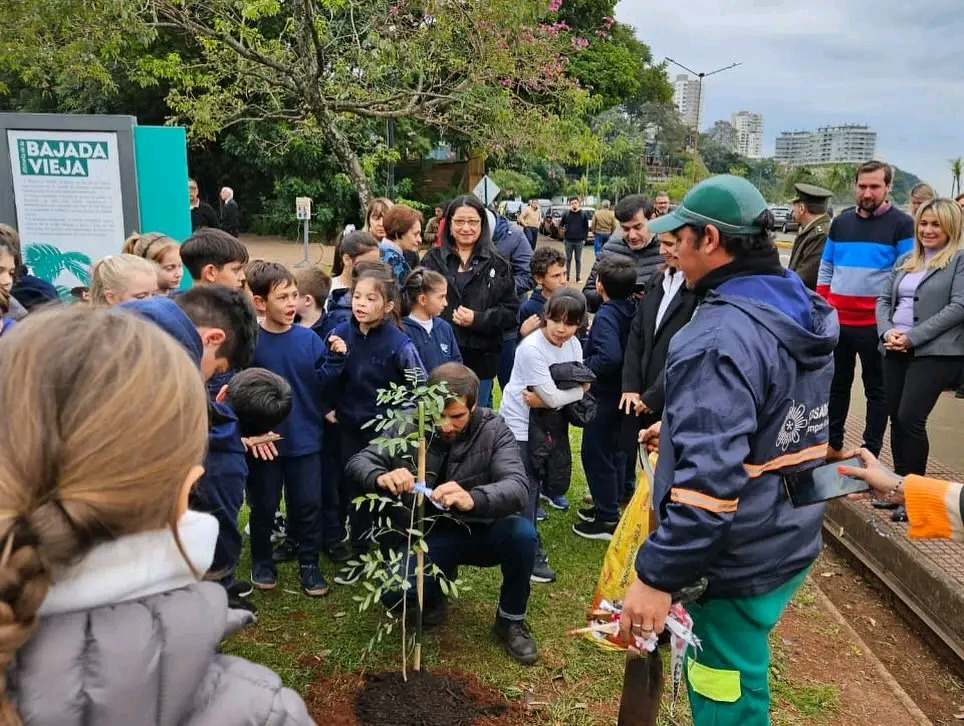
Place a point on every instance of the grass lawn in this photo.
(574, 684)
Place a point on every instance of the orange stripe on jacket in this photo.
(933, 508)
(703, 501)
(813, 453)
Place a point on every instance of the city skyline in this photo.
(872, 68)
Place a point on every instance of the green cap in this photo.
(730, 203)
(810, 194)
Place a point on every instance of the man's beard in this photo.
(869, 206)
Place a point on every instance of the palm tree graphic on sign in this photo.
(49, 262)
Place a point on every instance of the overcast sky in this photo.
(895, 65)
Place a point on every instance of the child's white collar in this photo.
(136, 566)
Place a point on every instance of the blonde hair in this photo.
(96, 454)
(150, 245)
(113, 272)
(922, 192)
(951, 221)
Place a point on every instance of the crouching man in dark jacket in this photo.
(474, 468)
(747, 385)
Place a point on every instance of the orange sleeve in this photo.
(933, 508)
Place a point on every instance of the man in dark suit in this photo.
(230, 214)
(667, 306)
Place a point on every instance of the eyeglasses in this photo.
(471, 223)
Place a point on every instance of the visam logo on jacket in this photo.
(800, 419)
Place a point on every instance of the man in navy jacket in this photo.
(747, 386)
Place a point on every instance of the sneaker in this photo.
(596, 529)
(518, 640)
(541, 515)
(541, 572)
(559, 502)
(959, 393)
(241, 603)
(899, 515)
(586, 514)
(348, 575)
(313, 582)
(287, 551)
(340, 552)
(240, 588)
(264, 576)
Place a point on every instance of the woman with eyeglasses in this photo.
(482, 301)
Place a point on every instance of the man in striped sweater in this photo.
(863, 244)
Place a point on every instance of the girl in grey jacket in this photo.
(103, 619)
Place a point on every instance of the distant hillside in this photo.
(904, 181)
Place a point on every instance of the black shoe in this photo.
(312, 581)
(287, 551)
(241, 603)
(517, 639)
(596, 529)
(434, 615)
(541, 572)
(240, 588)
(586, 514)
(959, 393)
(349, 575)
(340, 552)
(899, 515)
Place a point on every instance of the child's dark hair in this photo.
(544, 258)
(385, 283)
(617, 275)
(567, 306)
(420, 281)
(260, 399)
(218, 306)
(353, 244)
(263, 278)
(210, 246)
(315, 282)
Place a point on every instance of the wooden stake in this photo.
(420, 526)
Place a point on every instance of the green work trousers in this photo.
(727, 681)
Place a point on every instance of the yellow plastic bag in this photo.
(618, 569)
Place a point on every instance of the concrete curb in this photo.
(919, 717)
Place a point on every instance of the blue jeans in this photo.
(300, 476)
(598, 241)
(506, 361)
(532, 234)
(607, 467)
(485, 392)
(509, 543)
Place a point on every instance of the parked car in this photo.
(780, 214)
(789, 225)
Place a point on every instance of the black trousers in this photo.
(858, 341)
(913, 386)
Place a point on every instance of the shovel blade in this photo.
(642, 690)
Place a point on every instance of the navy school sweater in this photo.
(433, 348)
(301, 358)
(337, 311)
(373, 361)
(533, 306)
(604, 348)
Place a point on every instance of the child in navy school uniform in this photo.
(353, 249)
(549, 271)
(313, 288)
(300, 357)
(606, 466)
(379, 353)
(423, 300)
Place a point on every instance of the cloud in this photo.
(893, 65)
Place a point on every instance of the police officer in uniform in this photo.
(810, 212)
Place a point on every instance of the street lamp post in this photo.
(699, 102)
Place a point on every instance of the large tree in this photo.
(491, 75)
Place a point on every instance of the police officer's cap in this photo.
(810, 194)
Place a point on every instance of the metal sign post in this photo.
(303, 213)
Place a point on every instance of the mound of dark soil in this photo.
(424, 700)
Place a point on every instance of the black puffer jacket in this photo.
(490, 292)
(647, 260)
(485, 461)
